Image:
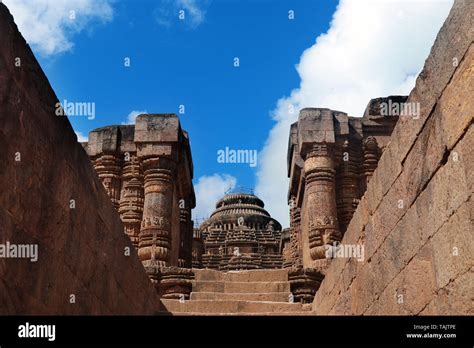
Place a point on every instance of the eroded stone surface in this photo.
(52, 197)
(419, 200)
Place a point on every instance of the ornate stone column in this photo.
(371, 157)
(130, 170)
(108, 169)
(304, 283)
(295, 256)
(155, 233)
(320, 218)
(197, 249)
(347, 186)
(297, 245)
(131, 209)
(186, 235)
(131, 198)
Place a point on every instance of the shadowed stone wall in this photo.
(51, 197)
(416, 217)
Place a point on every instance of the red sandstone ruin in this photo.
(127, 245)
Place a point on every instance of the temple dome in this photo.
(241, 234)
(237, 205)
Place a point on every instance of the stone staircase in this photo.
(253, 292)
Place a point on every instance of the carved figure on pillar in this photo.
(155, 233)
(320, 200)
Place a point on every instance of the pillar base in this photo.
(304, 282)
(171, 282)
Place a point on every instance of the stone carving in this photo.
(108, 170)
(331, 158)
(186, 236)
(371, 157)
(139, 166)
(240, 234)
(304, 283)
(197, 249)
(171, 282)
(155, 233)
(131, 209)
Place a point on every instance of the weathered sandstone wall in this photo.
(81, 250)
(416, 217)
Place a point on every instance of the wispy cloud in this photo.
(372, 48)
(81, 137)
(49, 25)
(209, 189)
(191, 12)
(133, 115)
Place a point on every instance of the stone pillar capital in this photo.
(319, 163)
(158, 162)
(318, 150)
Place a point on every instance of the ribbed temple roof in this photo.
(238, 204)
(239, 198)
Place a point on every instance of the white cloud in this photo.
(169, 11)
(81, 137)
(209, 189)
(372, 49)
(48, 24)
(133, 115)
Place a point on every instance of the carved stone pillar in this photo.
(297, 242)
(186, 235)
(320, 218)
(347, 187)
(198, 248)
(294, 258)
(371, 157)
(131, 198)
(131, 209)
(130, 169)
(171, 282)
(155, 234)
(108, 169)
(304, 283)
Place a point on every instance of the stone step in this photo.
(232, 306)
(268, 296)
(264, 275)
(240, 287)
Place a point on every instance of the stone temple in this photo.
(240, 234)
(147, 172)
(331, 158)
(112, 217)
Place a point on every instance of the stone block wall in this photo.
(51, 197)
(415, 220)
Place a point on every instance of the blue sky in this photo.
(327, 56)
(193, 66)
